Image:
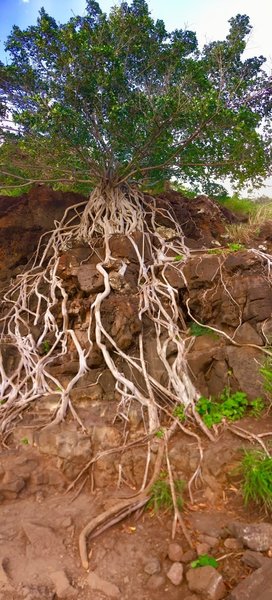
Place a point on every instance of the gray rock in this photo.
(155, 582)
(233, 544)
(255, 560)
(256, 536)
(206, 581)
(258, 586)
(96, 582)
(153, 566)
(202, 548)
(175, 573)
(208, 539)
(62, 585)
(175, 552)
(89, 279)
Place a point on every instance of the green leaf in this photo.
(203, 561)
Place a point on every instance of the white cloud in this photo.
(25, 1)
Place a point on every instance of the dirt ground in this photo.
(39, 535)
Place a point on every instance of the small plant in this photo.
(235, 246)
(266, 371)
(25, 441)
(178, 257)
(198, 330)
(160, 433)
(179, 413)
(46, 346)
(230, 406)
(256, 407)
(161, 497)
(256, 469)
(204, 560)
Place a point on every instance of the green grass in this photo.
(256, 469)
(161, 497)
(266, 372)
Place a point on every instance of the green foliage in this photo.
(235, 246)
(179, 413)
(25, 441)
(178, 257)
(161, 497)
(242, 206)
(256, 407)
(198, 330)
(114, 97)
(46, 346)
(256, 469)
(160, 433)
(204, 560)
(266, 371)
(230, 406)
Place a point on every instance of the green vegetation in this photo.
(25, 441)
(110, 98)
(178, 257)
(46, 346)
(230, 406)
(256, 469)
(160, 433)
(266, 371)
(179, 413)
(235, 246)
(204, 560)
(161, 497)
(197, 330)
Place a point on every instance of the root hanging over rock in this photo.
(38, 314)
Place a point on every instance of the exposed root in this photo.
(119, 511)
(38, 299)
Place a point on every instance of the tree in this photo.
(108, 103)
(125, 99)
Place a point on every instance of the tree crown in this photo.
(116, 97)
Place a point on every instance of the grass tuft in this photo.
(256, 468)
(161, 497)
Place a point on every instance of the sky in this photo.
(208, 18)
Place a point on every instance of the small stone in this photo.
(206, 581)
(255, 560)
(101, 585)
(256, 536)
(233, 544)
(202, 549)
(155, 582)
(208, 539)
(189, 556)
(175, 573)
(175, 552)
(62, 585)
(153, 566)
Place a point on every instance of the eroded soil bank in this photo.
(43, 508)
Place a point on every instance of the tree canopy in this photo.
(118, 97)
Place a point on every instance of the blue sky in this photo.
(207, 17)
